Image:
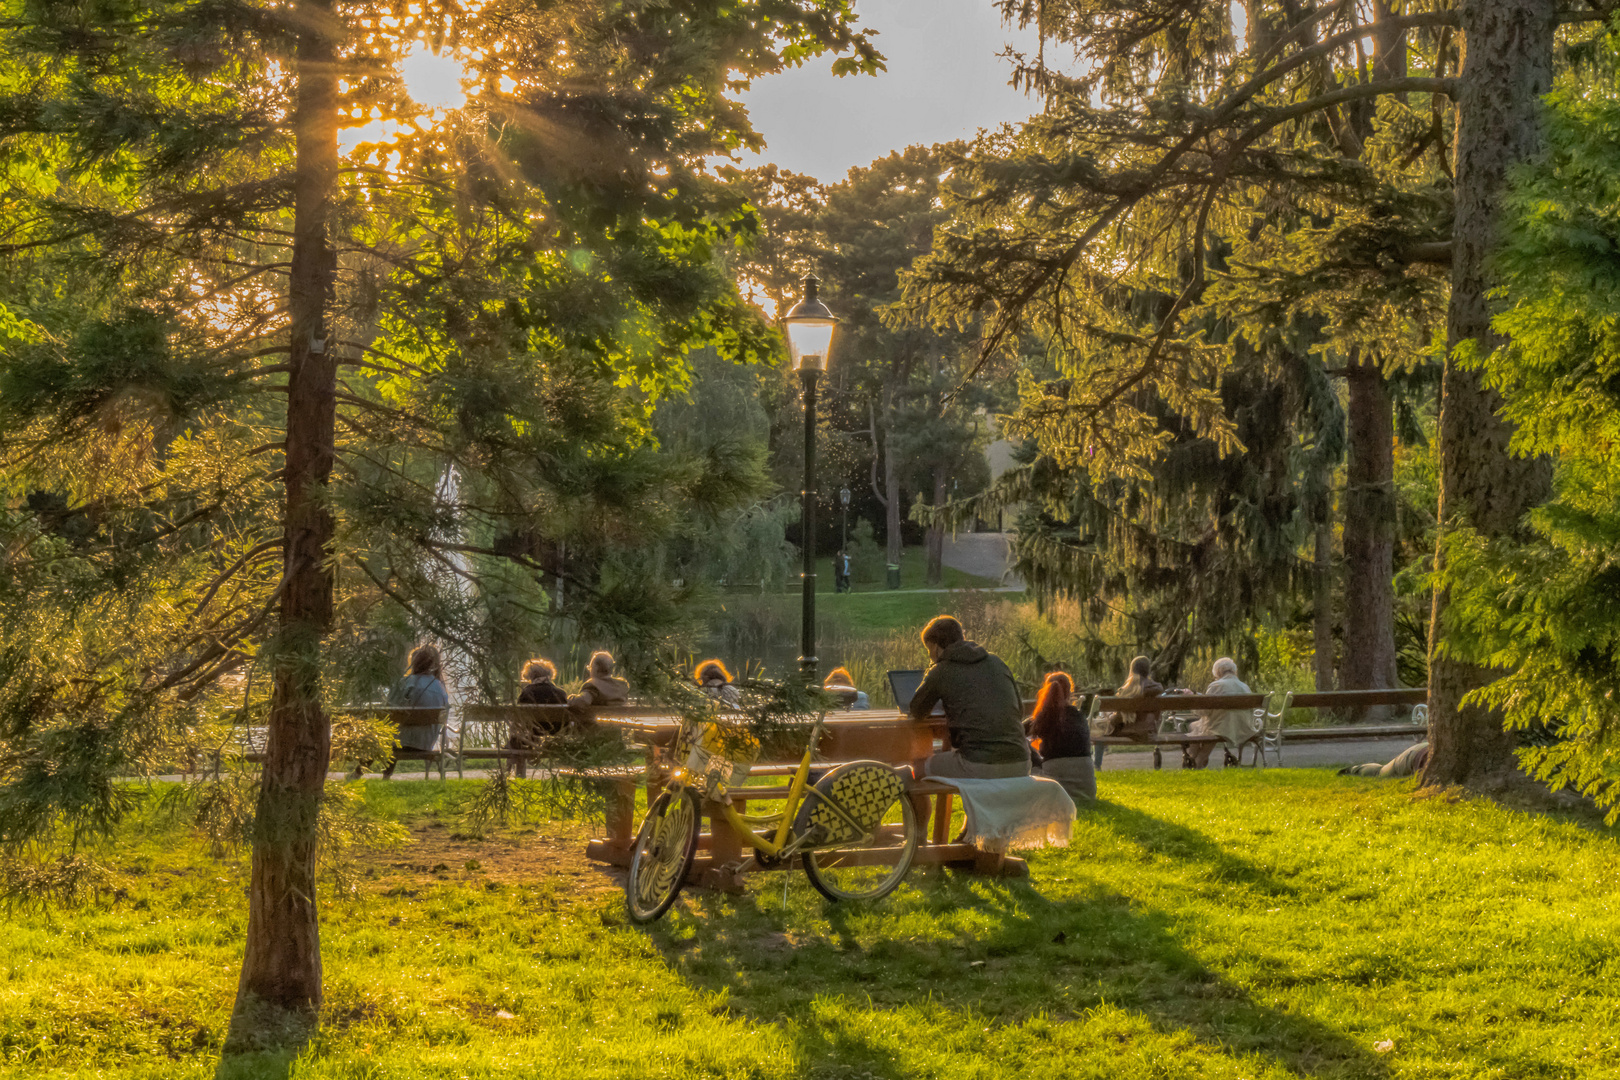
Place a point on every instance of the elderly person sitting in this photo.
(601, 689)
(1235, 726)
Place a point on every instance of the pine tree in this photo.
(474, 294)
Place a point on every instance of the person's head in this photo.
(539, 670)
(940, 634)
(711, 671)
(1054, 697)
(601, 665)
(1141, 670)
(839, 676)
(424, 661)
(1225, 668)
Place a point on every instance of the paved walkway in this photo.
(1298, 756)
(982, 555)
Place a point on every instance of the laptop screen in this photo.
(903, 685)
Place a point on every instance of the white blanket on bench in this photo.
(1020, 812)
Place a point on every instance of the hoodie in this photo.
(983, 709)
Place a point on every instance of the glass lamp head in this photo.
(810, 330)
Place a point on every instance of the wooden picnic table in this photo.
(867, 735)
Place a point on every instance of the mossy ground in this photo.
(1239, 924)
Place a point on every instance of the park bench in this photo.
(1273, 734)
(405, 718)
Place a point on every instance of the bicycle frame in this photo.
(782, 843)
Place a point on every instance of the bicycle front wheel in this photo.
(869, 832)
(665, 849)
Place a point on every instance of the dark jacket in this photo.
(1069, 736)
(544, 692)
(983, 709)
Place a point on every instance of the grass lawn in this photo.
(1237, 924)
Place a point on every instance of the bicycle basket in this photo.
(720, 758)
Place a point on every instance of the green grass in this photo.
(1241, 924)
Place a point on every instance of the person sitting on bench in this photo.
(715, 680)
(421, 688)
(841, 685)
(983, 710)
(1062, 737)
(1236, 726)
(538, 689)
(601, 689)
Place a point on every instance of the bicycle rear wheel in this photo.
(665, 849)
(865, 855)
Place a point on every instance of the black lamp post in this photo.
(843, 528)
(809, 335)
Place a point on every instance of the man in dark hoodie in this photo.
(983, 709)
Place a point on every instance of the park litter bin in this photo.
(894, 575)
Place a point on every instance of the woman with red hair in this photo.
(1060, 734)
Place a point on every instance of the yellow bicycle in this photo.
(854, 830)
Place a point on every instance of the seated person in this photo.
(840, 684)
(1408, 762)
(1140, 683)
(601, 689)
(983, 710)
(421, 688)
(538, 689)
(1236, 726)
(715, 680)
(1062, 738)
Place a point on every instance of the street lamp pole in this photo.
(843, 529)
(809, 334)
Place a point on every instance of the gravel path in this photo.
(982, 555)
(1298, 756)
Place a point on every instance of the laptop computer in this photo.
(903, 685)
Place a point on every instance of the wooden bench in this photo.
(1337, 699)
(403, 717)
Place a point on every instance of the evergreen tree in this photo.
(295, 347)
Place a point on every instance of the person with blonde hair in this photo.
(421, 688)
(601, 689)
(841, 684)
(715, 681)
(539, 686)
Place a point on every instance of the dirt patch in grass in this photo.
(553, 852)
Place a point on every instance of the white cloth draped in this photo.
(1015, 813)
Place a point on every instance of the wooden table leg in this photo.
(621, 812)
(942, 818)
(725, 852)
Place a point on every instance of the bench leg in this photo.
(725, 845)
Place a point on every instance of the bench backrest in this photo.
(1336, 699)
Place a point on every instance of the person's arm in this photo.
(927, 695)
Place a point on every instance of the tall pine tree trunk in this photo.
(936, 533)
(1368, 662)
(282, 962)
(1322, 605)
(1507, 66)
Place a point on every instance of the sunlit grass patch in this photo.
(1236, 924)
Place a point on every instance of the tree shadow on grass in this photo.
(263, 1043)
(1156, 836)
(999, 954)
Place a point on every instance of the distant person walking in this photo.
(983, 709)
(841, 571)
(1060, 735)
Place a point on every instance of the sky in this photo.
(945, 81)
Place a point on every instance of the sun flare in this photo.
(434, 80)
